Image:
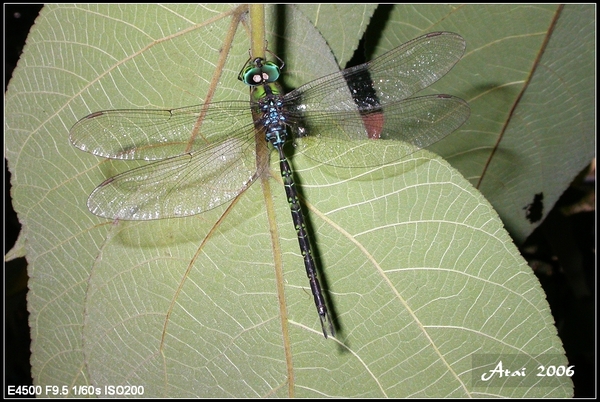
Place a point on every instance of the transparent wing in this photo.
(371, 101)
(159, 134)
(391, 133)
(392, 77)
(184, 185)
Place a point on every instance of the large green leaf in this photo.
(420, 274)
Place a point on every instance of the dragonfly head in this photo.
(259, 72)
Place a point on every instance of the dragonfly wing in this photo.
(158, 134)
(180, 186)
(415, 122)
(422, 121)
(390, 78)
(371, 101)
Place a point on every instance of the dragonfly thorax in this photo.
(271, 114)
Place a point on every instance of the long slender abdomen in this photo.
(304, 242)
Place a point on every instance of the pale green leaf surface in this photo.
(419, 271)
(341, 25)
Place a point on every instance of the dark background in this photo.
(550, 249)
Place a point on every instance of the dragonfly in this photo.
(198, 165)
